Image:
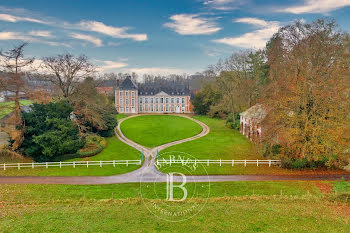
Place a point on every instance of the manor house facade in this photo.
(152, 98)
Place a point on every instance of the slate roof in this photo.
(127, 84)
(172, 89)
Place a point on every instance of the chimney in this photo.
(117, 82)
(138, 85)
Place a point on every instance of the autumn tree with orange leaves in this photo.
(308, 96)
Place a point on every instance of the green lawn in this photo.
(155, 130)
(7, 107)
(223, 143)
(231, 207)
(115, 150)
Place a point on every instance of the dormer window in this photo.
(146, 93)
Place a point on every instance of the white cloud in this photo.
(253, 21)
(14, 19)
(89, 25)
(110, 65)
(156, 70)
(256, 39)
(222, 4)
(13, 36)
(192, 24)
(21, 36)
(316, 6)
(94, 40)
(41, 33)
(116, 32)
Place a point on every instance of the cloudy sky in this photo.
(154, 36)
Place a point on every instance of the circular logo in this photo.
(175, 187)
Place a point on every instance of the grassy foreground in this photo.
(155, 130)
(232, 207)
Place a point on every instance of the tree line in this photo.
(302, 79)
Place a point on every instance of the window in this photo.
(172, 108)
(120, 101)
(141, 100)
(157, 108)
(167, 108)
(121, 109)
(177, 100)
(140, 108)
(132, 93)
(161, 108)
(183, 100)
(127, 109)
(133, 101)
(161, 100)
(167, 100)
(152, 108)
(146, 100)
(151, 100)
(156, 100)
(121, 93)
(126, 101)
(172, 100)
(126, 93)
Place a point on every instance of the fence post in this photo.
(257, 162)
(127, 162)
(4, 166)
(87, 163)
(32, 164)
(73, 164)
(220, 162)
(100, 163)
(195, 162)
(269, 162)
(19, 166)
(60, 164)
(113, 163)
(46, 165)
(245, 162)
(233, 162)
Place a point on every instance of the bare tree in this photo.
(65, 71)
(11, 80)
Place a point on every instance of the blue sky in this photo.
(154, 36)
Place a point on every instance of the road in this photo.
(148, 173)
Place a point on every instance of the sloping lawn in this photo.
(7, 107)
(115, 150)
(225, 143)
(155, 130)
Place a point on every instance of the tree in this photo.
(308, 97)
(205, 98)
(93, 111)
(65, 71)
(49, 132)
(11, 80)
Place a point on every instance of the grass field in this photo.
(155, 130)
(232, 207)
(7, 107)
(225, 143)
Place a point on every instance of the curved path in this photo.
(148, 173)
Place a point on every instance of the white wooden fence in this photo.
(4, 166)
(232, 162)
